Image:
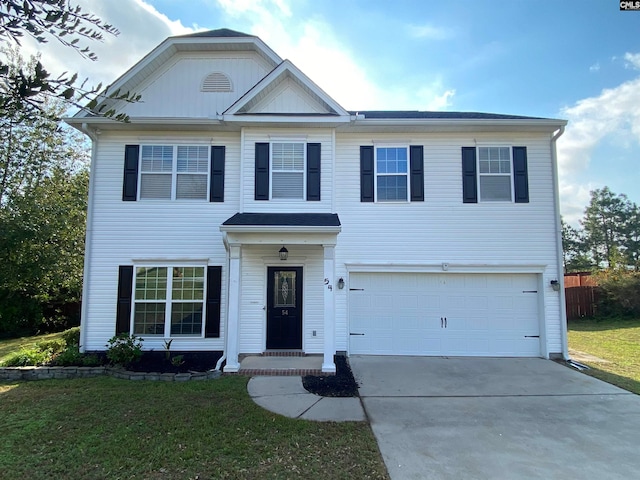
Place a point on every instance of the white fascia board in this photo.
(144, 123)
(259, 119)
(278, 229)
(549, 125)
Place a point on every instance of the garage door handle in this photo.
(356, 334)
(445, 322)
(532, 336)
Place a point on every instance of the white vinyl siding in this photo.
(168, 172)
(288, 170)
(495, 174)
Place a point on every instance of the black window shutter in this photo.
(262, 171)
(520, 175)
(214, 294)
(216, 190)
(366, 173)
(313, 172)
(416, 155)
(469, 181)
(130, 181)
(123, 310)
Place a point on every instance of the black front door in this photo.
(284, 308)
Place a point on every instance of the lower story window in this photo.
(169, 301)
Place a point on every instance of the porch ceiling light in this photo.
(284, 253)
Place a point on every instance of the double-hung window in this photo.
(288, 170)
(169, 301)
(174, 172)
(392, 174)
(495, 174)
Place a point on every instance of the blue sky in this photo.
(577, 60)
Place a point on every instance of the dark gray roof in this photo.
(220, 32)
(285, 219)
(415, 114)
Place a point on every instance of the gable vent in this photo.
(216, 82)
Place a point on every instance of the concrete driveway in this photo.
(497, 418)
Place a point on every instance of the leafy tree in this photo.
(575, 253)
(43, 192)
(24, 90)
(604, 226)
(631, 237)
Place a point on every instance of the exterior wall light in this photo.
(341, 283)
(555, 285)
(284, 253)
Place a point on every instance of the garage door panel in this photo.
(402, 314)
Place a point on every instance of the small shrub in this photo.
(91, 360)
(51, 346)
(177, 360)
(124, 349)
(26, 357)
(72, 336)
(619, 293)
(69, 356)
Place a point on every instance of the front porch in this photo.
(283, 302)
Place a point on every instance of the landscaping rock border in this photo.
(46, 373)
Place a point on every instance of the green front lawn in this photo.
(615, 340)
(12, 345)
(108, 428)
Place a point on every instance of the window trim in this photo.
(304, 143)
(174, 172)
(511, 172)
(407, 174)
(168, 300)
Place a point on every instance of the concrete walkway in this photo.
(286, 396)
(497, 418)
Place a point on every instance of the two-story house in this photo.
(243, 210)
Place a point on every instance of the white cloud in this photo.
(612, 116)
(595, 67)
(632, 60)
(429, 31)
(313, 47)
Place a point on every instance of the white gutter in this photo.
(556, 192)
(89, 235)
(226, 317)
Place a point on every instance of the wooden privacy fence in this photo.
(581, 301)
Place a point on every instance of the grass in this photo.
(11, 345)
(615, 340)
(106, 428)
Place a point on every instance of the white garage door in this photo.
(444, 314)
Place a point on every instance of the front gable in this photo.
(285, 91)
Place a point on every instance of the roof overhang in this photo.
(385, 125)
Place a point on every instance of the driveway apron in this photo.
(497, 418)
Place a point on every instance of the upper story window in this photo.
(392, 174)
(287, 170)
(494, 173)
(168, 172)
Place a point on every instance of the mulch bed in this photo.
(191, 362)
(342, 384)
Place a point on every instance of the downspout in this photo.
(562, 300)
(226, 317)
(88, 235)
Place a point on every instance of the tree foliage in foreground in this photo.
(43, 194)
(25, 90)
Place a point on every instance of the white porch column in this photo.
(233, 321)
(329, 310)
